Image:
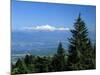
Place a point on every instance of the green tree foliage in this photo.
(80, 47)
(29, 62)
(20, 67)
(41, 64)
(28, 59)
(58, 61)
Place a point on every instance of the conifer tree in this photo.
(61, 57)
(29, 62)
(41, 64)
(20, 67)
(28, 59)
(79, 47)
(58, 61)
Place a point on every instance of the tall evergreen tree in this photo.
(20, 67)
(41, 64)
(29, 62)
(61, 57)
(28, 59)
(58, 61)
(79, 47)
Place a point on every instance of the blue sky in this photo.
(33, 14)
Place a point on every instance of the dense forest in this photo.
(81, 55)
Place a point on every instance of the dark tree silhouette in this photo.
(41, 64)
(58, 61)
(80, 48)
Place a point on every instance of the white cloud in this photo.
(46, 28)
